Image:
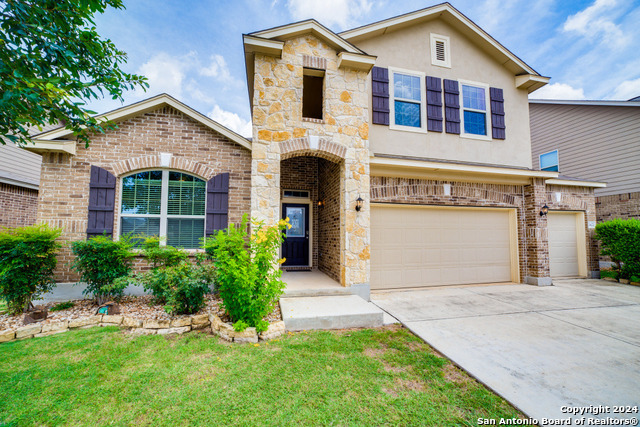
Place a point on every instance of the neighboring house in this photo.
(400, 151)
(595, 140)
(19, 181)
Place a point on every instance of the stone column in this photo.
(536, 235)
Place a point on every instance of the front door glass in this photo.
(296, 219)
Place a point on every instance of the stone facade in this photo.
(136, 145)
(623, 206)
(342, 135)
(533, 249)
(18, 206)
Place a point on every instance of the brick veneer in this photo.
(18, 206)
(527, 200)
(136, 144)
(578, 199)
(622, 206)
(329, 221)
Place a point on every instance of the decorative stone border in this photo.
(179, 325)
(622, 281)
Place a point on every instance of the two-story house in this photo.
(595, 140)
(400, 151)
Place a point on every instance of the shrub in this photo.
(620, 240)
(61, 306)
(186, 287)
(27, 261)
(246, 274)
(608, 273)
(100, 261)
(161, 258)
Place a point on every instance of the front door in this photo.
(295, 247)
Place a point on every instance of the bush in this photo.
(61, 306)
(246, 273)
(161, 258)
(620, 240)
(27, 261)
(100, 261)
(186, 287)
(608, 273)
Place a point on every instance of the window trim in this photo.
(447, 50)
(557, 160)
(423, 101)
(487, 112)
(164, 204)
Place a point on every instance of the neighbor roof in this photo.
(453, 17)
(600, 103)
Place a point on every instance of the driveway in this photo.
(575, 344)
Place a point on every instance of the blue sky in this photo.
(192, 49)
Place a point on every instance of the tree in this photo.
(52, 60)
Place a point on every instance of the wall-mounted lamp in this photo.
(545, 210)
(359, 202)
(321, 203)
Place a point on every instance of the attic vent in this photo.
(440, 50)
(440, 53)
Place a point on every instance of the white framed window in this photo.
(407, 106)
(475, 115)
(164, 203)
(550, 161)
(440, 51)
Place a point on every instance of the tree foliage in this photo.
(52, 60)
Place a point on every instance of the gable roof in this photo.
(600, 103)
(453, 17)
(137, 109)
(308, 26)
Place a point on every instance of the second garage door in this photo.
(567, 256)
(415, 246)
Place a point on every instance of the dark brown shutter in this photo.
(451, 106)
(380, 93)
(497, 114)
(217, 204)
(102, 201)
(434, 104)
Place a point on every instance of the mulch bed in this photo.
(137, 307)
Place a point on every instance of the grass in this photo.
(372, 376)
(61, 306)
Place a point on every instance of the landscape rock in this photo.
(87, 321)
(54, 327)
(130, 322)
(180, 322)
(215, 323)
(200, 321)
(46, 334)
(168, 331)
(275, 330)
(116, 320)
(28, 331)
(7, 336)
(142, 331)
(248, 335)
(624, 281)
(157, 324)
(610, 279)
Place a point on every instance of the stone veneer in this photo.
(533, 251)
(18, 205)
(342, 136)
(623, 206)
(136, 145)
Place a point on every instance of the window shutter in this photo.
(380, 93)
(217, 204)
(497, 113)
(434, 104)
(451, 106)
(102, 198)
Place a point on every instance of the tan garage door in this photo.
(564, 246)
(414, 246)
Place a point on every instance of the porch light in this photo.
(545, 210)
(359, 203)
(321, 203)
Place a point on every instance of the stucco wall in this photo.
(409, 49)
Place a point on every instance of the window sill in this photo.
(407, 129)
(310, 120)
(476, 137)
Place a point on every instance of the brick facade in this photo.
(623, 206)
(533, 250)
(135, 145)
(18, 206)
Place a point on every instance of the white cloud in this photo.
(558, 91)
(232, 121)
(595, 22)
(340, 13)
(166, 73)
(627, 89)
(217, 68)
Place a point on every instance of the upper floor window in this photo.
(164, 203)
(440, 52)
(474, 110)
(549, 161)
(407, 105)
(312, 93)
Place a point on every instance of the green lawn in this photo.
(101, 376)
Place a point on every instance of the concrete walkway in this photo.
(575, 344)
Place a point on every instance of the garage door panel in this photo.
(439, 246)
(563, 249)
